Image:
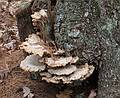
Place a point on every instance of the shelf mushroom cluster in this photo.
(51, 64)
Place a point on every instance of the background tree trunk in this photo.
(109, 75)
(90, 29)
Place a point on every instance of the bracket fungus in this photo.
(82, 72)
(51, 62)
(55, 68)
(61, 61)
(78, 74)
(63, 71)
(35, 45)
(31, 63)
(38, 15)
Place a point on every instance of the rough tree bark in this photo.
(109, 78)
(90, 29)
(24, 20)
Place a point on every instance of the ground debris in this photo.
(3, 74)
(27, 92)
(92, 94)
(64, 94)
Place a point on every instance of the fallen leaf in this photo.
(11, 45)
(92, 94)
(30, 95)
(27, 92)
(4, 73)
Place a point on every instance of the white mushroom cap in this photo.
(33, 48)
(61, 61)
(38, 15)
(50, 80)
(80, 74)
(35, 45)
(57, 79)
(45, 74)
(33, 39)
(31, 63)
(63, 71)
(58, 52)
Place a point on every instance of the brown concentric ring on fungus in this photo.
(35, 45)
(67, 70)
(60, 61)
(80, 74)
(58, 52)
(91, 69)
(45, 74)
(57, 79)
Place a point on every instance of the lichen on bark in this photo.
(90, 30)
(109, 85)
(76, 32)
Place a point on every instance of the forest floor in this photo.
(16, 79)
(12, 78)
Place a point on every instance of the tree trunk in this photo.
(90, 30)
(24, 21)
(109, 75)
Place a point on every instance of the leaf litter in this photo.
(27, 92)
